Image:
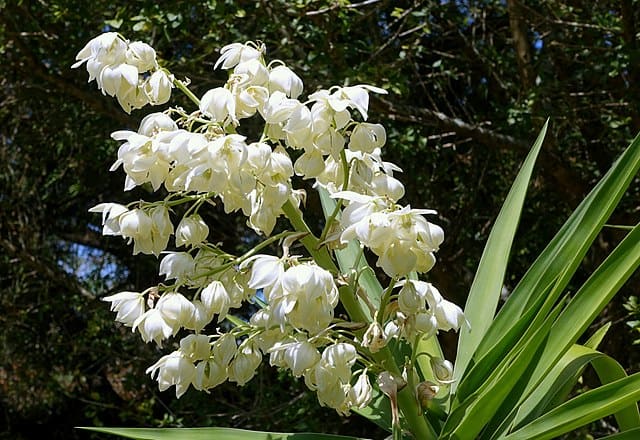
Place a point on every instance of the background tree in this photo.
(470, 83)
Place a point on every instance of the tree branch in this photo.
(563, 178)
(520, 43)
(56, 276)
(33, 66)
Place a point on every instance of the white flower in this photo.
(367, 137)
(307, 298)
(177, 265)
(254, 70)
(173, 369)
(111, 213)
(158, 87)
(209, 373)
(245, 363)
(266, 271)
(220, 105)
(283, 79)
(216, 299)
(449, 315)
(141, 55)
(176, 309)
(300, 356)
(128, 305)
(153, 326)
(154, 123)
(149, 231)
(361, 392)
(235, 53)
(191, 231)
(195, 347)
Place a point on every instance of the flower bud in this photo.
(426, 392)
(158, 87)
(374, 338)
(442, 370)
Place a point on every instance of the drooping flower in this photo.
(128, 305)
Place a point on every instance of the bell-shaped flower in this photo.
(128, 305)
(220, 105)
(284, 80)
(361, 392)
(191, 231)
(136, 225)
(449, 315)
(266, 271)
(209, 373)
(161, 228)
(173, 369)
(177, 265)
(224, 349)
(176, 309)
(423, 324)
(195, 347)
(257, 74)
(409, 299)
(154, 123)
(107, 48)
(300, 356)
(367, 137)
(216, 299)
(153, 326)
(279, 108)
(158, 87)
(310, 164)
(200, 318)
(397, 260)
(111, 213)
(245, 363)
(142, 56)
(235, 53)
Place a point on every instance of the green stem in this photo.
(324, 260)
(407, 402)
(183, 87)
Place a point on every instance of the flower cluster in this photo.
(201, 157)
(128, 71)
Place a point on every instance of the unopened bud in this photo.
(426, 392)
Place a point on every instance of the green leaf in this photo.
(567, 249)
(556, 385)
(212, 433)
(587, 303)
(583, 409)
(487, 284)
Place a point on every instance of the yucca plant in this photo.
(515, 368)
